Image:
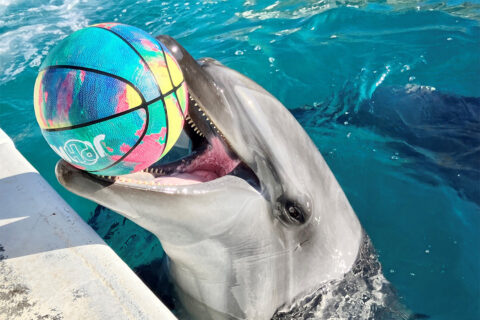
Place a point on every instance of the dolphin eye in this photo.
(291, 212)
(295, 212)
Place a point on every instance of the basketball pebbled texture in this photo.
(110, 99)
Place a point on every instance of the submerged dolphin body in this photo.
(256, 238)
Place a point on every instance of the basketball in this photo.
(110, 99)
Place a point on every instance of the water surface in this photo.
(389, 92)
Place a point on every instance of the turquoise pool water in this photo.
(389, 91)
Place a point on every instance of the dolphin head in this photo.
(253, 217)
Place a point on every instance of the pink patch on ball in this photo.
(124, 148)
(64, 96)
(78, 167)
(107, 25)
(150, 45)
(82, 75)
(122, 102)
(147, 152)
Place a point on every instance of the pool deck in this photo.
(52, 264)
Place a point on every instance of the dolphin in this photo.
(253, 220)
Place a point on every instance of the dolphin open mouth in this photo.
(206, 154)
(210, 158)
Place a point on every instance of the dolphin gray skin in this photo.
(251, 240)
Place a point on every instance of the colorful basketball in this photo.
(110, 99)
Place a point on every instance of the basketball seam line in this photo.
(143, 105)
(171, 81)
(68, 66)
(149, 69)
(136, 52)
(166, 63)
(133, 147)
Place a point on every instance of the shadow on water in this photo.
(139, 248)
(439, 133)
(135, 245)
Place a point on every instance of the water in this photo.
(389, 91)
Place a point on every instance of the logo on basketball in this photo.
(82, 152)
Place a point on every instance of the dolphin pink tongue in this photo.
(211, 164)
(187, 178)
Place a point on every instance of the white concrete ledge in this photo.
(52, 264)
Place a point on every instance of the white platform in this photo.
(52, 264)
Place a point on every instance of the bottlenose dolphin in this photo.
(253, 220)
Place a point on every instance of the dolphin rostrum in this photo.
(253, 219)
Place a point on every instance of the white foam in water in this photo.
(23, 44)
(304, 9)
(308, 8)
